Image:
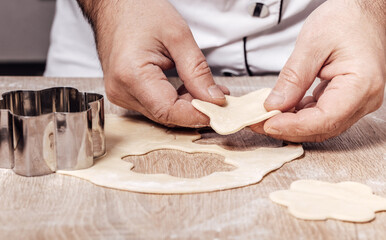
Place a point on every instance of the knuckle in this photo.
(303, 131)
(178, 33)
(377, 86)
(370, 80)
(116, 96)
(300, 131)
(297, 130)
(128, 74)
(376, 97)
(290, 77)
(111, 96)
(112, 92)
(323, 128)
(200, 67)
(372, 89)
(162, 114)
(330, 127)
(379, 102)
(123, 69)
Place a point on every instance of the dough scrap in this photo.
(130, 136)
(237, 113)
(317, 200)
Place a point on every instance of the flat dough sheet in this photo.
(130, 136)
(238, 112)
(317, 200)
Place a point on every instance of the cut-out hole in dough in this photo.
(179, 164)
(132, 136)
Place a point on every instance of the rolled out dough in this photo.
(130, 136)
(237, 113)
(316, 200)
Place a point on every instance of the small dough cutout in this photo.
(317, 200)
(237, 113)
(130, 137)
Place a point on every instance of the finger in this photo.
(132, 104)
(154, 92)
(305, 101)
(192, 67)
(184, 94)
(224, 89)
(182, 90)
(334, 109)
(320, 137)
(258, 127)
(318, 91)
(310, 105)
(298, 73)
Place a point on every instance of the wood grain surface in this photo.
(62, 207)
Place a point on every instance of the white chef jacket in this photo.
(233, 40)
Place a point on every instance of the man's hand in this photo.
(343, 43)
(137, 41)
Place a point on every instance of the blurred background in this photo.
(24, 36)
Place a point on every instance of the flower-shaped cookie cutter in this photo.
(52, 129)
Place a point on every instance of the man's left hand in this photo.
(344, 44)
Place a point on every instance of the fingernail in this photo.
(275, 98)
(273, 131)
(215, 92)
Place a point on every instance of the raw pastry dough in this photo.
(237, 113)
(129, 136)
(316, 200)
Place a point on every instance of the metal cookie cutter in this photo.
(52, 129)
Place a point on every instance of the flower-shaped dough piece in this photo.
(237, 113)
(316, 200)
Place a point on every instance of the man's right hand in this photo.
(136, 41)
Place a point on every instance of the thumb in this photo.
(298, 74)
(193, 68)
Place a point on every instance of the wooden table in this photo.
(62, 207)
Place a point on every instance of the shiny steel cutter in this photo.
(52, 129)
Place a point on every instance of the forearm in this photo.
(89, 9)
(103, 18)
